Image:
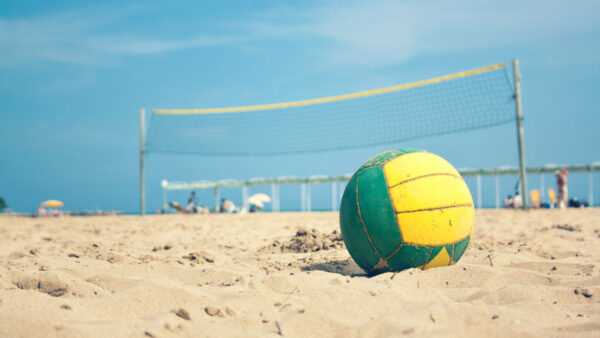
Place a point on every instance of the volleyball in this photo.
(406, 208)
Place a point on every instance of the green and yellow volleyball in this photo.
(406, 208)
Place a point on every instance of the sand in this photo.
(530, 273)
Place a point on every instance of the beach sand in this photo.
(530, 273)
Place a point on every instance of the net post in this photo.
(302, 197)
(308, 195)
(217, 198)
(273, 197)
(591, 198)
(165, 186)
(245, 194)
(277, 199)
(333, 196)
(478, 191)
(521, 141)
(542, 187)
(142, 161)
(497, 191)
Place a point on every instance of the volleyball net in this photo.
(468, 100)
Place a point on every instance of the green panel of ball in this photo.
(369, 226)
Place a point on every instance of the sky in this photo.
(74, 75)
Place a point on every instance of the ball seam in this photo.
(362, 221)
(436, 208)
(426, 175)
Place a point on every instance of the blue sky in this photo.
(74, 74)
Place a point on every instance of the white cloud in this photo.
(355, 32)
(127, 44)
(73, 38)
(385, 32)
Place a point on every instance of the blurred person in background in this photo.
(561, 186)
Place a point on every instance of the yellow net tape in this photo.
(331, 98)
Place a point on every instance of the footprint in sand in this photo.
(111, 283)
(46, 283)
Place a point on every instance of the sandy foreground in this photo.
(530, 273)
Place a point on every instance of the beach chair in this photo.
(552, 197)
(535, 198)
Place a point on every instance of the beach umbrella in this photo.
(255, 201)
(261, 197)
(52, 204)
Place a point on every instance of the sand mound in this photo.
(307, 241)
(46, 283)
